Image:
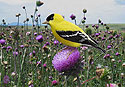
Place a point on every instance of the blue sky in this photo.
(110, 11)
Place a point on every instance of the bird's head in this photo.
(52, 18)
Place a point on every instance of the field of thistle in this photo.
(30, 56)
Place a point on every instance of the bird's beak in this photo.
(46, 22)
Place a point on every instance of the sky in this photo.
(109, 11)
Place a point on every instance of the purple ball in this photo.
(39, 38)
(66, 59)
(2, 41)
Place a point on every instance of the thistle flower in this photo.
(117, 36)
(96, 26)
(39, 3)
(34, 52)
(13, 74)
(47, 43)
(84, 18)
(102, 23)
(84, 11)
(39, 38)
(84, 48)
(87, 26)
(28, 33)
(73, 17)
(112, 85)
(106, 56)
(44, 65)
(35, 34)
(67, 60)
(54, 82)
(2, 41)
(103, 38)
(97, 34)
(9, 47)
(93, 25)
(21, 46)
(17, 15)
(24, 7)
(117, 54)
(15, 53)
(6, 79)
(109, 46)
(31, 85)
(99, 21)
(56, 42)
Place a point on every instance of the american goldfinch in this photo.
(68, 33)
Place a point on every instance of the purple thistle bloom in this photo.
(15, 53)
(73, 17)
(38, 62)
(9, 47)
(97, 34)
(54, 82)
(30, 54)
(31, 85)
(6, 79)
(103, 38)
(102, 23)
(44, 65)
(28, 33)
(21, 46)
(34, 52)
(39, 38)
(66, 59)
(97, 26)
(110, 37)
(10, 36)
(109, 32)
(106, 56)
(3, 47)
(117, 54)
(109, 46)
(2, 41)
(56, 42)
(47, 43)
(117, 36)
(93, 25)
(35, 34)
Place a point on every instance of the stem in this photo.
(66, 81)
(78, 81)
(89, 79)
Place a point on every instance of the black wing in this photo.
(74, 36)
(78, 37)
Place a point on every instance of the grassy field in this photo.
(26, 62)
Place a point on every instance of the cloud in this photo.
(107, 10)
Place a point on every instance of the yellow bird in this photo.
(68, 33)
